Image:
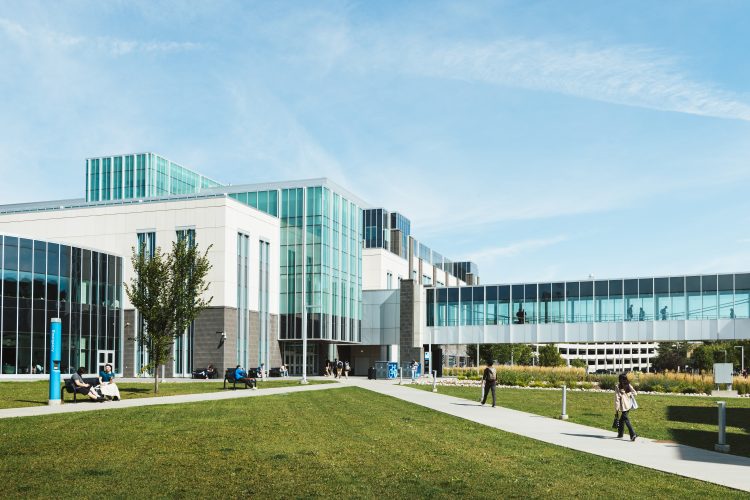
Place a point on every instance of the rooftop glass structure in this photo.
(141, 175)
(41, 281)
(701, 297)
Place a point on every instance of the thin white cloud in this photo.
(109, 45)
(514, 249)
(628, 75)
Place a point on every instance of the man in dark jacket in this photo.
(490, 380)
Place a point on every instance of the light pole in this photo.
(742, 357)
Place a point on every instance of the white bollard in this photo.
(722, 445)
(564, 414)
(434, 380)
(401, 376)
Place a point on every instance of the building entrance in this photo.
(293, 359)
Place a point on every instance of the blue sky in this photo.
(543, 140)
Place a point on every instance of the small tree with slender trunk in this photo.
(168, 291)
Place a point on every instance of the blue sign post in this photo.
(55, 355)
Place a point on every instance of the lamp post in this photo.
(742, 357)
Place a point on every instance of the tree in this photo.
(549, 355)
(579, 363)
(518, 354)
(670, 356)
(168, 292)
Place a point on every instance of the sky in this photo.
(544, 140)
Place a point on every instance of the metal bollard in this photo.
(722, 445)
(564, 414)
(434, 380)
(401, 376)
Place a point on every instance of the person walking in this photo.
(346, 370)
(489, 377)
(624, 398)
(413, 367)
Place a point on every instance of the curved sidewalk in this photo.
(727, 470)
(70, 407)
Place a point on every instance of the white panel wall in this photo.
(377, 263)
(114, 229)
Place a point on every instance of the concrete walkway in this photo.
(86, 405)
(727, 470)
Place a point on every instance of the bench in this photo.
(229, 377)
(72, 389)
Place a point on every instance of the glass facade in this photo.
(377, 228)
(723, 296)
(265, 201)
(141, 175)
(243, 279)
(332, 249)
(41, 281)
(263, 294)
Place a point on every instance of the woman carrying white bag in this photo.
(624, 402)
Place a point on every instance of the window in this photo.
(147, 242)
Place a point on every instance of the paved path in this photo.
(85, 405)
(727, 470)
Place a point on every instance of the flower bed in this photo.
(555, 377)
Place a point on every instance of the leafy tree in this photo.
(167, 290)
(670, 356)
(549, 355)
(519, 354)
(579, 363)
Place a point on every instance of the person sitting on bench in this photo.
(81, 385)
(240, 375)
(107, 385)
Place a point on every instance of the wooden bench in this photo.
(71, 388)
(229, 377)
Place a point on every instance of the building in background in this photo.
(309, 259)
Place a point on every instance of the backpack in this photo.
(339, 364)
(492, 375)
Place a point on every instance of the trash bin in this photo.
(371, 373)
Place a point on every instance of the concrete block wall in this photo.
(408, 322)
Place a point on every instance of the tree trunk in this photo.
(156, 379)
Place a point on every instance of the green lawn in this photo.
(21, 394)
(345, 443)
(688, 420)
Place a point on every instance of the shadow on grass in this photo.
(136, 390)
(709, 415)
(33, 401)
(739, 442)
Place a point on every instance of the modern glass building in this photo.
(124, 177)
(377, 228)
(321, 233)
(43, 280)
(700, 297)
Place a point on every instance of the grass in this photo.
(23, 394)
(343, 443)
(690, 420)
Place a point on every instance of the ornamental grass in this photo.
(543, 376)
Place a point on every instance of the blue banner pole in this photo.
(55, 354)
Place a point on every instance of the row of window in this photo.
(141, 175)
(41, 281)
(713, 296)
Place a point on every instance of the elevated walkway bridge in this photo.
(656, 309)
